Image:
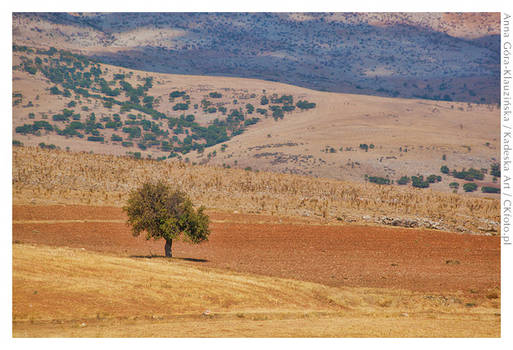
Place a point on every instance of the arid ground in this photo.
(256, 276)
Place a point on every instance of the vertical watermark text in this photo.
(506, 131)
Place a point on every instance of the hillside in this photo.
(65, 100)
(57, 177)
(441, 56)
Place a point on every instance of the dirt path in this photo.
(359, 256)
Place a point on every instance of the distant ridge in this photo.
(437, 56)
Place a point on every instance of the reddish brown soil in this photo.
(361, 256)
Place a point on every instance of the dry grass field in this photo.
(77, 293)
(58, 177)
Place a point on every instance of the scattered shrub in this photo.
(495, 170)
(379, 180)
(418, 181)
(469, 187)
(489, 189)
(403, 180)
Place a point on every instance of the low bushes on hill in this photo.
(469, 187)
(489, 189)
(379, 180)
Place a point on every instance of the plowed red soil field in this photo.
(359, 256)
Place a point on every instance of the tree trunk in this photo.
(167, 248)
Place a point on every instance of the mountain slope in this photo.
(343, 136)
(428, 55)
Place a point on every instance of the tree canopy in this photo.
(163, 212)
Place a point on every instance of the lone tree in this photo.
(165, 213)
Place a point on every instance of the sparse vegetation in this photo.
(379, 180)
(454, 185)
(75, 74)
(495, 170)
(305, 104)
(404, 180)
(419, 182)
(469, 187)
(489, 189)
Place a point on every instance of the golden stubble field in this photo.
(59, 177)
(64, 292)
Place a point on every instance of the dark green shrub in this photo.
(403, 180)
(489, 189)
(176, 94)
(180, 107)
(433, 178)
(116, 138)
(495, 170)
(454, 185)
(305, 105)
(469, 187)
(418, 181)
(379, 180)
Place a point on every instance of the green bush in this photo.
(403, 180)
(305, 105)
(379, 180)
(433, 178)
(180, 107)
(418, 181)
(489, 189)
(176, 94)
(261, 111)
(469, 187)
(495, 170)
(116, 138)
(469, 175)
(454, 185)
(45, 146)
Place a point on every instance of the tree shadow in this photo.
(166, 258)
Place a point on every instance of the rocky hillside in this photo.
(438, 56)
